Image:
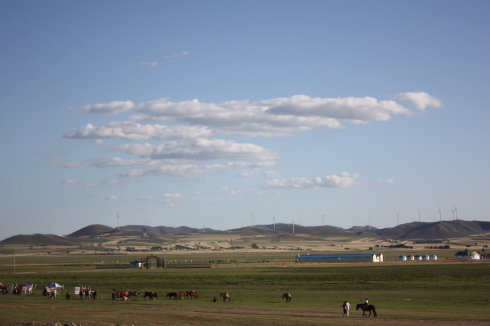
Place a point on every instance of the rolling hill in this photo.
(92, 230)
(435, 230)
(40, 240)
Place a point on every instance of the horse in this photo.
(151, 295)
(133, 294)
(192, 294)
(367, 307)
(122, 294)
(287, 297)
(226, 296)
(182, 294)
(171, 295)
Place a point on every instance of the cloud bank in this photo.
(342, 180)
(190, 138)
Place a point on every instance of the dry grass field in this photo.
(443, 292)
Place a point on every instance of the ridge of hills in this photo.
(128, 230)
(40, 240)
(407, 231)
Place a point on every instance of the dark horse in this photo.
(287, 297)
(151, 295)
(171, 295)
(365, 308)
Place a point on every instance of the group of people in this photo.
(346, 307)
(88, 293)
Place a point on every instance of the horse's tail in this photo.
(374, 312)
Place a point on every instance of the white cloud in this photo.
(112, 181)
(230, 191)
(389, 181)
(104, 163)
(149, 63)
(89, 184)
(420, 100)
(172, 195)
(342, 180)
(111, 197)
(201, 149)
(365, 109)
(272, 174)
(248, 173)
(271, 117)
(232, 118)
(144, 199)
(108, 108)
(175, 170)
(69, 181)
(168, 203)
(130, 130)
(182, 53)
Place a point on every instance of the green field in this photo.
(404, 294)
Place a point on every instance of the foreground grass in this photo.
(403, 294)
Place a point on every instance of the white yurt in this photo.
(402, 258)
(468, 255)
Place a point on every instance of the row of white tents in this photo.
(417, 257)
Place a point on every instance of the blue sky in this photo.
(210, 112)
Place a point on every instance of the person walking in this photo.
(346, 308)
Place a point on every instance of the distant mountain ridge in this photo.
(98, 229)
(435, 230)
(407, 231)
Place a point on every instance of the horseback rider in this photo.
(366, 303)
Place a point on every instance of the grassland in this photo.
(442, 293)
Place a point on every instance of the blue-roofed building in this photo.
(137, 263)
(343, 258)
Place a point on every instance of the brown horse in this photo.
(367, 307)
(192, 294)
(182, 294)
(121, 294)
(287, 297)
(226, 296)
(133, 294)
